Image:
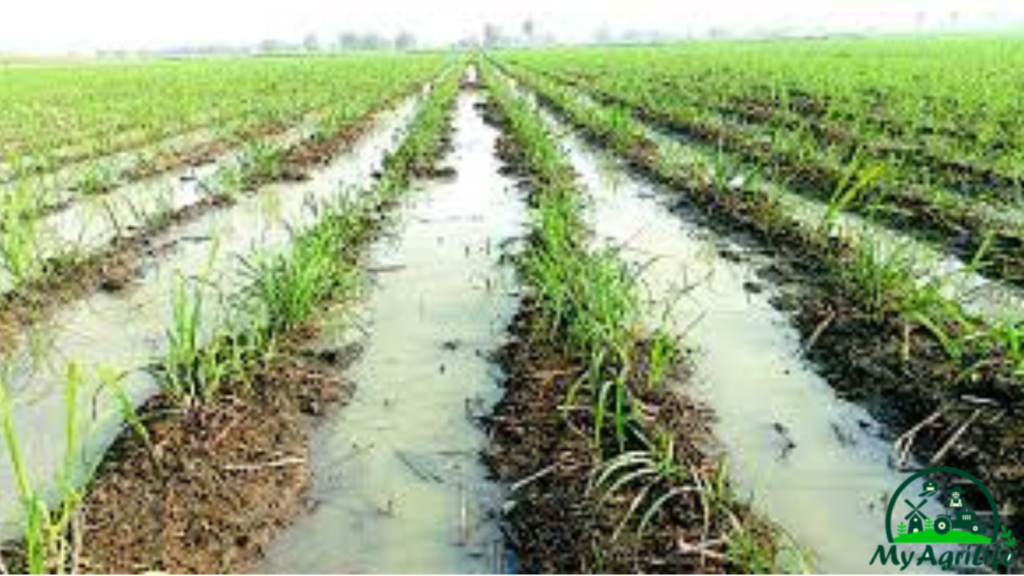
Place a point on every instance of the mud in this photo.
(398, 472)
(215, 485)
(901, 377)
(959, 230)
(555, 521)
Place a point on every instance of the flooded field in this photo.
(399, 468)
(638, 309)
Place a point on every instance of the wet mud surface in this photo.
(399, 485)
(554, 520)
(213, 486)
(899, 373)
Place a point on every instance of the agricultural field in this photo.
(696, 307)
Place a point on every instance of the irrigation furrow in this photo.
(950, 225)
(91, 244)
(123, 332)
(804, 454)
(399, 486)
(882, 358)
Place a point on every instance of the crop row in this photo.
(238, 378)
(954, 98)
(57, 114)
(992, 234)
(594, 399)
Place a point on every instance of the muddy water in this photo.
(125, 331)
(88, 224)
(988, 298)
(399, 486)
(811, 461)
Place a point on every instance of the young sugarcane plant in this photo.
(47, 535)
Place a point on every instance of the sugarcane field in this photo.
(330, 286)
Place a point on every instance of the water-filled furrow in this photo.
(87, 224)
(399, 486)
(125, 331)
(808, 458)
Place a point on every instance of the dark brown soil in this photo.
(898, 371)
(556, 522)
(960, 231)
(219, 483)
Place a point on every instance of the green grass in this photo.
(284, 288)
(884, 281)
(951, 537)
(589, 308)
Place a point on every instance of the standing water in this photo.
(399, 486)
(813, 462)
(125, 331)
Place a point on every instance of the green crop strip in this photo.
(284, 291)
(909, 202)
(885, 286)
(589, 307)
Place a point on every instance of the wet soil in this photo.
(114, 268)
(555, 521)
(962, 232)
(215, 484)
(898, 371)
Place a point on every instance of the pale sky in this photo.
(82, 25)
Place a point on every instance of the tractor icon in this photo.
(958, 515)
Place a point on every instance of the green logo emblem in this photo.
(945, 518)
